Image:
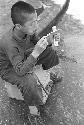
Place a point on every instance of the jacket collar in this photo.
(19, 35)
(22, 39)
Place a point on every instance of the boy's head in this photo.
(24, 15)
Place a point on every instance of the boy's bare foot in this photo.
(34, 110)
(55, 77)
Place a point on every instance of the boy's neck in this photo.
(19, 33)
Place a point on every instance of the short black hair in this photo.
(18, 10)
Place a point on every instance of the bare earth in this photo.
(66, 102)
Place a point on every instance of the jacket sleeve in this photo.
(20, 65)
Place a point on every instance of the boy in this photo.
(16, 65)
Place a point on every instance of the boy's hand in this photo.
(50, 38)
(40, 47)
(54, 36)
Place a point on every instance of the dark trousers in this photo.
(27, 84)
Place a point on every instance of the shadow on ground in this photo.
(65, 105)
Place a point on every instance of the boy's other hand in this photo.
(40, 47)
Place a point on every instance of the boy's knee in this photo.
(32, 93)
(31, 78)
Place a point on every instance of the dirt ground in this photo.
(66, 103)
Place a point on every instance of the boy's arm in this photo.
(20, 66)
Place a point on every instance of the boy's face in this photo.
(31, 25)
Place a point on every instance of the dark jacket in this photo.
(15, 52)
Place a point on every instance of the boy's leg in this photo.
(31, 92)
(55, 77)
(27, 85)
